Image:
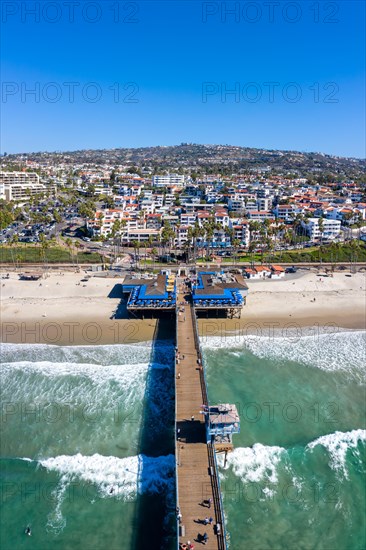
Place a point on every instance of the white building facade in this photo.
(331, 228)
(168, 180)
(19, 186)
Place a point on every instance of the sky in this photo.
(79, 74)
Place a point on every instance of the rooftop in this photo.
(223, 414)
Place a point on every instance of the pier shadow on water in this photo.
(155, 523)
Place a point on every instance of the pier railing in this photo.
(176, 431)
(200, 358)
(215, 481)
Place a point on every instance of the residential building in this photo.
(168, 180)
(331, 228)
(19, 186)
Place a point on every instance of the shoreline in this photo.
(70, 310)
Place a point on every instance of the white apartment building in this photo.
(263, 192)
(236, 204)
(264, 203)
(103, 221)
(182, 235)
(168, 180)
(101, 188)
(18, 178)
(251, 205)
(169, 199)
(18, 186)
(221, 216)
(188, 219)
(242, 233)
(331, 228)
(285, 211)
(260, 215)
(140, 235)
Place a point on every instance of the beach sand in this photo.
(62, 309)
(290, 304)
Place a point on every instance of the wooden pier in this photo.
(198, 494)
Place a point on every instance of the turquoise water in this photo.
(296, 478)
(72, 445)
(86, 443)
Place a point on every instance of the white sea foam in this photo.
(116, 354)
(71, 383)
(333, 351)
(94, 372)
(337, 445)
(260, 463)
(122, 478)
(257, 463)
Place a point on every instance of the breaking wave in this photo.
(335, 351)
(261, 463)
(338, 445)
(121, 478)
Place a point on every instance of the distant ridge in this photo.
(203, 158)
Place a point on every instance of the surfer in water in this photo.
(28, 531)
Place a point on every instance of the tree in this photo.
(235, 244)
(44, 246)
(69, 244)
(321, 228)
(87, 210)
(167, 235)
(154, 253)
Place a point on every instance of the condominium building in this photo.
(19, 186)
(141, 236)
(331, 228)
(168, 180)
(18, 178)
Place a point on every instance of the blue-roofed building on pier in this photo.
(219, 290)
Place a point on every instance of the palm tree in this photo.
(150, 242)
(298, 227)
(13, 251)
(167, 235)
(44, 246)
(254, 226)
(68, 243)
(116, 228)
(154, 254)
(78, 247)
(235, 244)
(209, 232)
(136, 246)
(321, 227)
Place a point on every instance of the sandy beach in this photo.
(306, 300)
(63, 309)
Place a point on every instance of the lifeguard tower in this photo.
(222, 421)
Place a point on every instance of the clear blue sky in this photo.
(170, 51)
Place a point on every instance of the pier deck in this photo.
(195, 463)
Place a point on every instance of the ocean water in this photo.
(87, 446)
(296, 478)
(87, 443)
